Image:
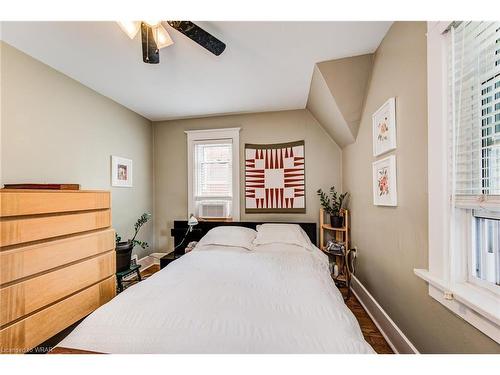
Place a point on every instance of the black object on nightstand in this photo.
(166, 259)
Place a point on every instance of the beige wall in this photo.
(323, 162)
(55, 130)
(392, 241)
(347, 80)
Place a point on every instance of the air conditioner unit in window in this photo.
(213, 209)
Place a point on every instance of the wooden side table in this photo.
(122, 274)
(340, 235)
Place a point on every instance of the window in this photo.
(213, 192)
(213, 167)
(213, 173)
(463, 68)
(474, 80)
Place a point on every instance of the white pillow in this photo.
(234, 249)
(229, 236)
(291, 234)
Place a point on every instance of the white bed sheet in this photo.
(277, 299)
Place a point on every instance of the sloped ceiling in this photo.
(267, 66)
(337, 94)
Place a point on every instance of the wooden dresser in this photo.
(57, 262)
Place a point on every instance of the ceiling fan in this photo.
(154, 36)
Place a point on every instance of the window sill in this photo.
(478, 307)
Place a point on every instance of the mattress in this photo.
(279, 299)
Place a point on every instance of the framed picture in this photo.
(384, 128)
(384, 182)
(275, 178)
(121, 172)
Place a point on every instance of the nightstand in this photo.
(166, 259)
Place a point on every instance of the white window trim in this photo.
(212, 134)
(476, 305)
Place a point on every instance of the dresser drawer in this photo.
(19, 230)
(35, 329)
(35, 202)
(27, 296)
(29, 260)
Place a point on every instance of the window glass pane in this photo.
(213, 167)
(487, 252)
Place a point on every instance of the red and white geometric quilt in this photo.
(275, 178)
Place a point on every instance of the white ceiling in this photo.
(266, 66)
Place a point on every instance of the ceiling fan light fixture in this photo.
(162, 38)
(130, 28)
(152, 22)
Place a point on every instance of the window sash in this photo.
(206, 184)
(486, 202)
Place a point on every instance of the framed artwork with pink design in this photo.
(275, 178)
(384, 128)
(384, 182)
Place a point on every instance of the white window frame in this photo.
(210, 135)
(447, 275)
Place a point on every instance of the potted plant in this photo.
(332, 205)
(124, 249)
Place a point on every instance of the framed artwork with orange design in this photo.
(385, 182)
(384, 128)
(275, 178)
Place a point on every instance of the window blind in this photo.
(474, 69)
(213, 169)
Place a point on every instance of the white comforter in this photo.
(278, 299)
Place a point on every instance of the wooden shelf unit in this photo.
(340, 235)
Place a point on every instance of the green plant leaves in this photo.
(331, 204)
(143, 219)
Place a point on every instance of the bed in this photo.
(228, 297)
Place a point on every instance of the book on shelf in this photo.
(43, 186)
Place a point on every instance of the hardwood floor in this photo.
(370, 331)
(150, 270)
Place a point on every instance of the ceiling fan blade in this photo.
(199, 35)
(150, 52)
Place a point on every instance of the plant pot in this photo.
(336, 221)
(123, 255)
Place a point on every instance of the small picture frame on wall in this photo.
(121, 172)
(384, 128)
(385, 182)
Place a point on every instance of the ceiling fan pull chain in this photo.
(157, 49)
(147, 44)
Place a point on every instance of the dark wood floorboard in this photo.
(150, 270)
(370, 331)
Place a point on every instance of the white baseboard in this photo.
(391, 332)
